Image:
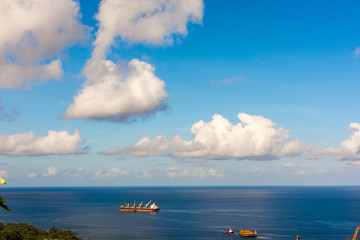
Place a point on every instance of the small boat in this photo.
(247, 233)
(229, 231)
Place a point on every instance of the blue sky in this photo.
(150, 94)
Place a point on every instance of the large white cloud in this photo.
(254, 138)
(27, 144)
(112, 93)
(349, 150)
(32, 34)
(152, 21)
(109, 95)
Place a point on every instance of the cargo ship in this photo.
(140, 208)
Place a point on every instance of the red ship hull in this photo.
(138, 210)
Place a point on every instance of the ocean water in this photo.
(190, 213)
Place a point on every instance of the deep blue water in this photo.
(190, 213)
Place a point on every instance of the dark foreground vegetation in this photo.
(19, 231)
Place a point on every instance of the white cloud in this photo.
(349, 150)
(98, 173)
(145, 147)
(255, 170)
(27, 144)
(112, 93)
(321, 171)
(3, 173)
(254, 138)
(35, 31)
(215, 173)
(196, 172)
(112, 172)
(298, 169)
(113, 96)
(294, 166)
(32, 174)
(147, 174)
(52, 171)
(79, 172)
(152, 21)
(229, 81)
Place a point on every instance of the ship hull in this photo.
(247, 233)
(138, 210)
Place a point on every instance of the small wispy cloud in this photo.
(302, 169)
(354, 163)
(51, 172)
(112, 172)
(3, 173)
(255, 170)
(298, 169)
(228, 81)
(357, 52)
(79, 172)
(149, 174)
(8, 116)
(32, 174)
(197, 172)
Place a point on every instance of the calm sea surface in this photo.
(190, 213)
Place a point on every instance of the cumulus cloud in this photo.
(51, 172)
(349, 150)
(113, 96)
(112, 93)
(27, 144)
(253, 138)
(112, 172)
(35, 31)
(152, 21)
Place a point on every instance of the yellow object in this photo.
(356, 232)
(2, 181)
(247, 233)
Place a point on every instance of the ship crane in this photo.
(355, 234)
(148, 204)
(140, 204)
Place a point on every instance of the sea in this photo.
(197, 213)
